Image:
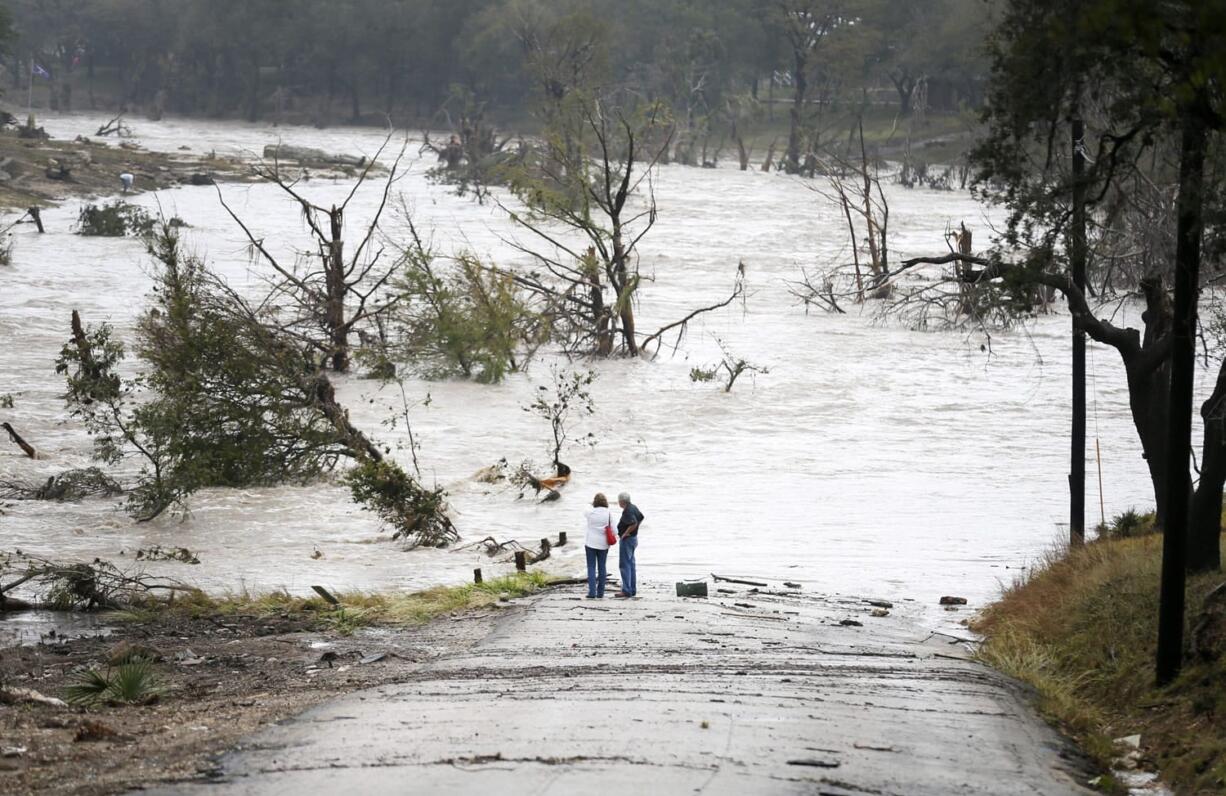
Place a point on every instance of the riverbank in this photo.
(39, 171)
(220, 669)
(1081, 630)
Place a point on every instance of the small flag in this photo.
(39, 71)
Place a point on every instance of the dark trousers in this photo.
(625, 562)
(596, 560)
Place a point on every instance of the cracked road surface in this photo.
(736, 694)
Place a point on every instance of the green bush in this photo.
(1127, 525)
(131, 683)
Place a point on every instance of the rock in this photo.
(791, 585)
(12, 751)
(127, 652)
(375, 658)
(1131, 741)
(201, 179)
(698, 589)
(880, 603)
(308, 155)
(93, 731)
(15, 695)
(880, 612)
(1208, 638)
(5, 176)
(951, 608)
(851, 623)
(953, 600)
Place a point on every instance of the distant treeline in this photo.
(327, 60)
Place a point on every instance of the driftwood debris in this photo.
(80, 586)
(21, 443)
(115, 126)
(302, 154)
(719, 579)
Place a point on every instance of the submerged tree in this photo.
(228, 399)
(332, 293)
(458, 316)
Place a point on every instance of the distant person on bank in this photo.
(596, 545)
(628, 536)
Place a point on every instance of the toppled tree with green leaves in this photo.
(226, 399)
(117, 219)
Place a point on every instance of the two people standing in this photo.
(599, 536)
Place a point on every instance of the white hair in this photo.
(624, 497)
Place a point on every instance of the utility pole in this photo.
(1189, 227)
(1077, 473)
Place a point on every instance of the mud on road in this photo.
(741, 693)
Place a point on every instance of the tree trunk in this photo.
(1189, 227)
(1205, 521)
(795, 131)
(335, 275)
(904, 86)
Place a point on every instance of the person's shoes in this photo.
(592, 597)
(621, 594)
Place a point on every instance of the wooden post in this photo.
(36, 217)
(477, 575)
(521, 561)
(327, 595)
(561, 538)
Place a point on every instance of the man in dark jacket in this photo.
(628, 535)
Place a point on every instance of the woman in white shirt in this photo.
(596, 545)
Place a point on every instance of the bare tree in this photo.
(332, 292)
(807, 24)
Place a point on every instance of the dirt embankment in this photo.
(220, 678)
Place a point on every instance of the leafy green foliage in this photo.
(469, 320)
(1128, 524)
(415, 513)
(114, 220)
(731, 366)
(570, 392)
(133, 683)
(221, 404)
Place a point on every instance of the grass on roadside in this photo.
(1081, 629)
(356, 609)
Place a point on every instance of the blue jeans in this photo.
(625, 562)
(596, 559)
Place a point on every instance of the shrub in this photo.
(1127, 525)
(133, 683)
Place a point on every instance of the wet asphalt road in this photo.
(736, 694)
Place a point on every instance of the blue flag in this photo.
(39, 71)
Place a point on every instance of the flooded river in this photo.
(871, 459)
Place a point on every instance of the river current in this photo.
(871, 459)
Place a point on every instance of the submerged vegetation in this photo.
(1081, 629)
